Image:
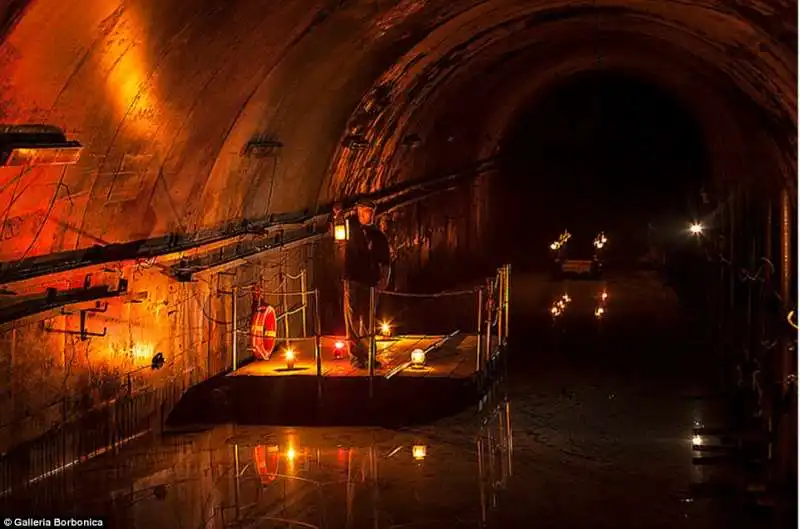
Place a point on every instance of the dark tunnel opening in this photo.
(600, 150)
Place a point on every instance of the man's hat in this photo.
(365, 203)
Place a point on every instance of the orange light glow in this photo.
(339, 345)
(417, 358)
(142, 352)
(340, 232)
(419, 452)
(126, 67)
(54, 156)
(604, 296)
(290, 357)
(386, 329)
(291, 454)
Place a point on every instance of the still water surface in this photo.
(591, 428)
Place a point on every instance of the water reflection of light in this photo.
(697, 440)
(599, 312)
(560, 305)
(267, 462)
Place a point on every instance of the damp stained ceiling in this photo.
(166, 95)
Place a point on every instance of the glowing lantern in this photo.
(599, 311)
(697, 440)
(386, 329)
(338, 348)
(419, 452)
(291, 454)
(341, 231)
(696, 228)
(604, 296)
(290, 358)
(417, 358)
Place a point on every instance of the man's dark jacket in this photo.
(367, 249)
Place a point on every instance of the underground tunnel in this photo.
(174, 183)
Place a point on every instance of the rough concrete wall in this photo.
(52, 377)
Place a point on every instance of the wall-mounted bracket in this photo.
(99, 306)
(83, 333)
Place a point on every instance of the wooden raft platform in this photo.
(454, 359)
(266, 392)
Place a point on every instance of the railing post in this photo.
(480, 330)
(285, 307)
(481, 477)
(317, 345)
(234, 326)
(372, 343)
(509, 436)
(304, 300)
(500, 289)
(786, 443)
(487, 352)
(507, 297)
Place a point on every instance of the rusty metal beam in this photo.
(44, 307)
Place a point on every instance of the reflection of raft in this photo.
(267, 459)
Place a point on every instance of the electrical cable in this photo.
(435, 295)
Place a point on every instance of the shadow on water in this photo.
(345, 401)
(592, 427)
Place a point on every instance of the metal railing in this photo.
(492, 323)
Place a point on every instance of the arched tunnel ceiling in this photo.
(166, 94)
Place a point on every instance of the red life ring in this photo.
(263, 331)
(267, 461)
